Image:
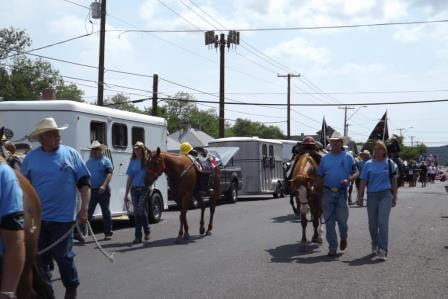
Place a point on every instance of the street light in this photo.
(346, 121)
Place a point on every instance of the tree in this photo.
(121, 102)
(24, 79)
(245, 127)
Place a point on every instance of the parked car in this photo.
(231, 175)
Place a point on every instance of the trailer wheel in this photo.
(232, 193)
(278, 191)
(155, 208)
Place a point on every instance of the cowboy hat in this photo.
(365, 152)
(45, 125)
(338, 136)
(97, 144)
(139, 144)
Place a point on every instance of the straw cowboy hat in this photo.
(338, 136)
(365, 152)
(96, 144)
(45, 125)
(139, 144)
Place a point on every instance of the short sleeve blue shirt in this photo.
(98, 168)
(377, 176)
(335, 168)
(137, 173)
(11, 195)
(361, 165)
(55, 175)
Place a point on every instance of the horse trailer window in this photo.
(119, 136)
(138, 134)
(98, 132)
(271, 156)
(264, 152)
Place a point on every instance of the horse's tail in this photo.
(40, 287)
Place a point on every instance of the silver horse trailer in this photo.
(260, 161)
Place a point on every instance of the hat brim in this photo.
(33, 135)
(342, 139)
(102, 147)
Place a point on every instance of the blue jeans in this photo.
(335, 210)
(140, 202)
(103, 199)
(378, 210)
(62, 253)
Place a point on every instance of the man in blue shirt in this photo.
(336, 170)
(12, 244)
(56, 172)
(101, 169)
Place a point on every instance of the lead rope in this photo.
(110, 257)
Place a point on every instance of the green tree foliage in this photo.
(121, 102)
(24, 79)
(247, 128)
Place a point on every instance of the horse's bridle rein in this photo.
(155, 173)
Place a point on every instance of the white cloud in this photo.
(394, 10)
(409, 34)
(352, 69)
(353, 7)
(299, 48)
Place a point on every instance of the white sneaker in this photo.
(374, 250)
(382, 255)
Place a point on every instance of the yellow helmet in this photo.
(185, 148)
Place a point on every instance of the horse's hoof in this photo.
(209, 233)
(303, 241)
(317, 240)
(187, 236)
(202, 230)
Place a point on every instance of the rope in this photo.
(110, 257)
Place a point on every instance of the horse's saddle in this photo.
(202, 165)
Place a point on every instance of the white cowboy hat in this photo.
(45, 125)
(365, 152)
(338, 136)
(97, 144)
(139, 144)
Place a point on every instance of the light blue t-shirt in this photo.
(98, 168)
(335, 168)
(137, 173)
(377, 176)
(361, 165)
(55, 175)
(11, 195)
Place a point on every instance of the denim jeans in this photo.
(103, 199)
(378, 211)
(335, 210)
(62, 253)
(140, 203)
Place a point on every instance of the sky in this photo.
(339, 66)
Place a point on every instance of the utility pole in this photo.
(101, 59)
(412, 140)
(288, 127)
(233, 38)
(345, 119)
(155, 89)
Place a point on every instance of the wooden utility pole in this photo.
(155, 96)
(345, 118)
(288, 130)
(100, 101)
(233, 38)
(222, 48)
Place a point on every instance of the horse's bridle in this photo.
(155, 173)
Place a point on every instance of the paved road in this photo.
(254, 253)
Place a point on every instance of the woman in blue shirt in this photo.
(380, 176)
(139, 192)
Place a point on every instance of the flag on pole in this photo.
(381, 131)
(324, 132)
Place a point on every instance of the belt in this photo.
(139, 188)
(334, 189)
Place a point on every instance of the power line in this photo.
(290, 28)
(77, 4)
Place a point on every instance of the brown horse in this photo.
(303, 188)
(183, 179)
(32, 283)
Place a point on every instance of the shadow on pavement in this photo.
(298, 253)
(286, 218)
(365, 260)
(156, 243)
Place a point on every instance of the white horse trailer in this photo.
(261, 163)
(115, 128)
